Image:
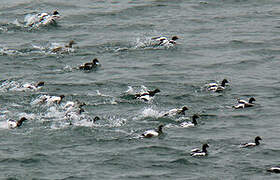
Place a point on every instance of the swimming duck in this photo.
(56, 99)
(163, 41)
(90, 65)
(51, 99)
(14, 124)
(77, 103)
(252, 144)
(76, 106)
(66, 48)
(147, 96)
(45, 18)
(33, 86)
(190, 124)
(244, 103)
(197, 152)
(274, 169)
(153, 132)
(96, 118)
(215, 87)
(174, 112)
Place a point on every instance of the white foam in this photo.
(149, 112)
(130, 90)
(17, 86)
(4, 125)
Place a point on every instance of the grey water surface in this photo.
(232, 39)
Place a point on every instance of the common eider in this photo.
(197, 152)
(147, 96)
(14, 124)
(153, 132)
(90, 65)
(76, 106)
(274, 169)
(33, 86)
(96, 118)
(163, 41)
(43, 19)
(77, 103)
(65, 48)
(215, 87)
(252, 144)
(244, 103)
(176, 111)
(51, 99)
(190, 124)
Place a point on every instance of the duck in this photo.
(96, 118)
(76, 106)
(274, 169)
(252, 144)
(33, 86)
(243, 103)
(147, 96)
(51, 99)
(14, 124)
(176, 111)
(197, 152)
(215, 87)
(66, 48)
(77, 103)
(56, 99)
(45, 18)
(190, 124)
(153, 132)
(163, 41)
(90, 65)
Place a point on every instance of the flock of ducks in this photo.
(215, 87)
(76, 107)
(45, 19)
(70, 106)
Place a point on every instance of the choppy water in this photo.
(237, 40)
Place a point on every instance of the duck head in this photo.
(174, 38)
(70, 44)
(252, 99)
(257, 139)
(156, 91)
(194, 117)
(95, 61)
(19, 123)
(23, 119)
(160, 128)
(96, 118)
(41, 83)
(204, 147)
(184, 108)
(224, 82)
(56, 13)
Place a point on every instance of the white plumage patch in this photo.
(248, 145)
(274, 169)
(172, 112)
(198, 154)
(239, 106)
(146, 97)
(187, 124)
(150, 133)
(212, 84)
(12, 124)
